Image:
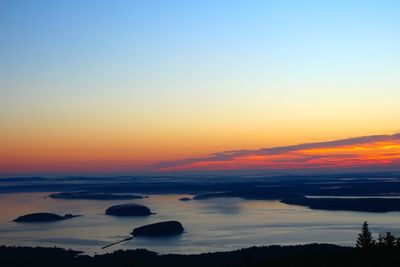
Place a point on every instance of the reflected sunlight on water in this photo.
(210, 225)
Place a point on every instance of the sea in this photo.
(211, 225)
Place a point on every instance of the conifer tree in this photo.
(365, 239)
(387, 240)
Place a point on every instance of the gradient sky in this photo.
(89, 86)
(378, 152)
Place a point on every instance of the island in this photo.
(255, 194)
(43, 217)
(165, 228)
(185, 199)
(363, 204)
(93, 196)
(346, 204)
(130, 209)
(160, 229)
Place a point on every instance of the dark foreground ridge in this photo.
(43, 217)
(311, 255)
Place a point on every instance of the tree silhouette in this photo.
(387, 240)
(365, 239)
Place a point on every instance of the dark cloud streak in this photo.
(228, 155)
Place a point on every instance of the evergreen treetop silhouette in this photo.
(365, 239)
(387, 240)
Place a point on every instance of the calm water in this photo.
(211, 225)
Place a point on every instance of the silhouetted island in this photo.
(185, 199)
(365, 204)
(130, 209)
(166, 228)
(346, 204)
(255, 194)
(371, 186)
(94, 196)
(159, 229)
(43, 217)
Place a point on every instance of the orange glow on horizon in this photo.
(363, 153)
(345, 156)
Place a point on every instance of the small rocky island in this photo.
(159, 229)
(185, 199)
(43, 217)
(93, 196)
(129, 210)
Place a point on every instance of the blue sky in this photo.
(162, 80)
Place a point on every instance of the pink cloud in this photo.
(368, 151)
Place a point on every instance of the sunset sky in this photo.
(119, 86)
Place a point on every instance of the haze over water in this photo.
(211, 225)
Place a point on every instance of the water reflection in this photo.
(210, 225)
(223, 205)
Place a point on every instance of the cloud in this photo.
(376, 150)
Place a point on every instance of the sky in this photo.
(109, 86)
(379, 152)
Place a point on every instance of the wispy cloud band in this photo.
(376, 150)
